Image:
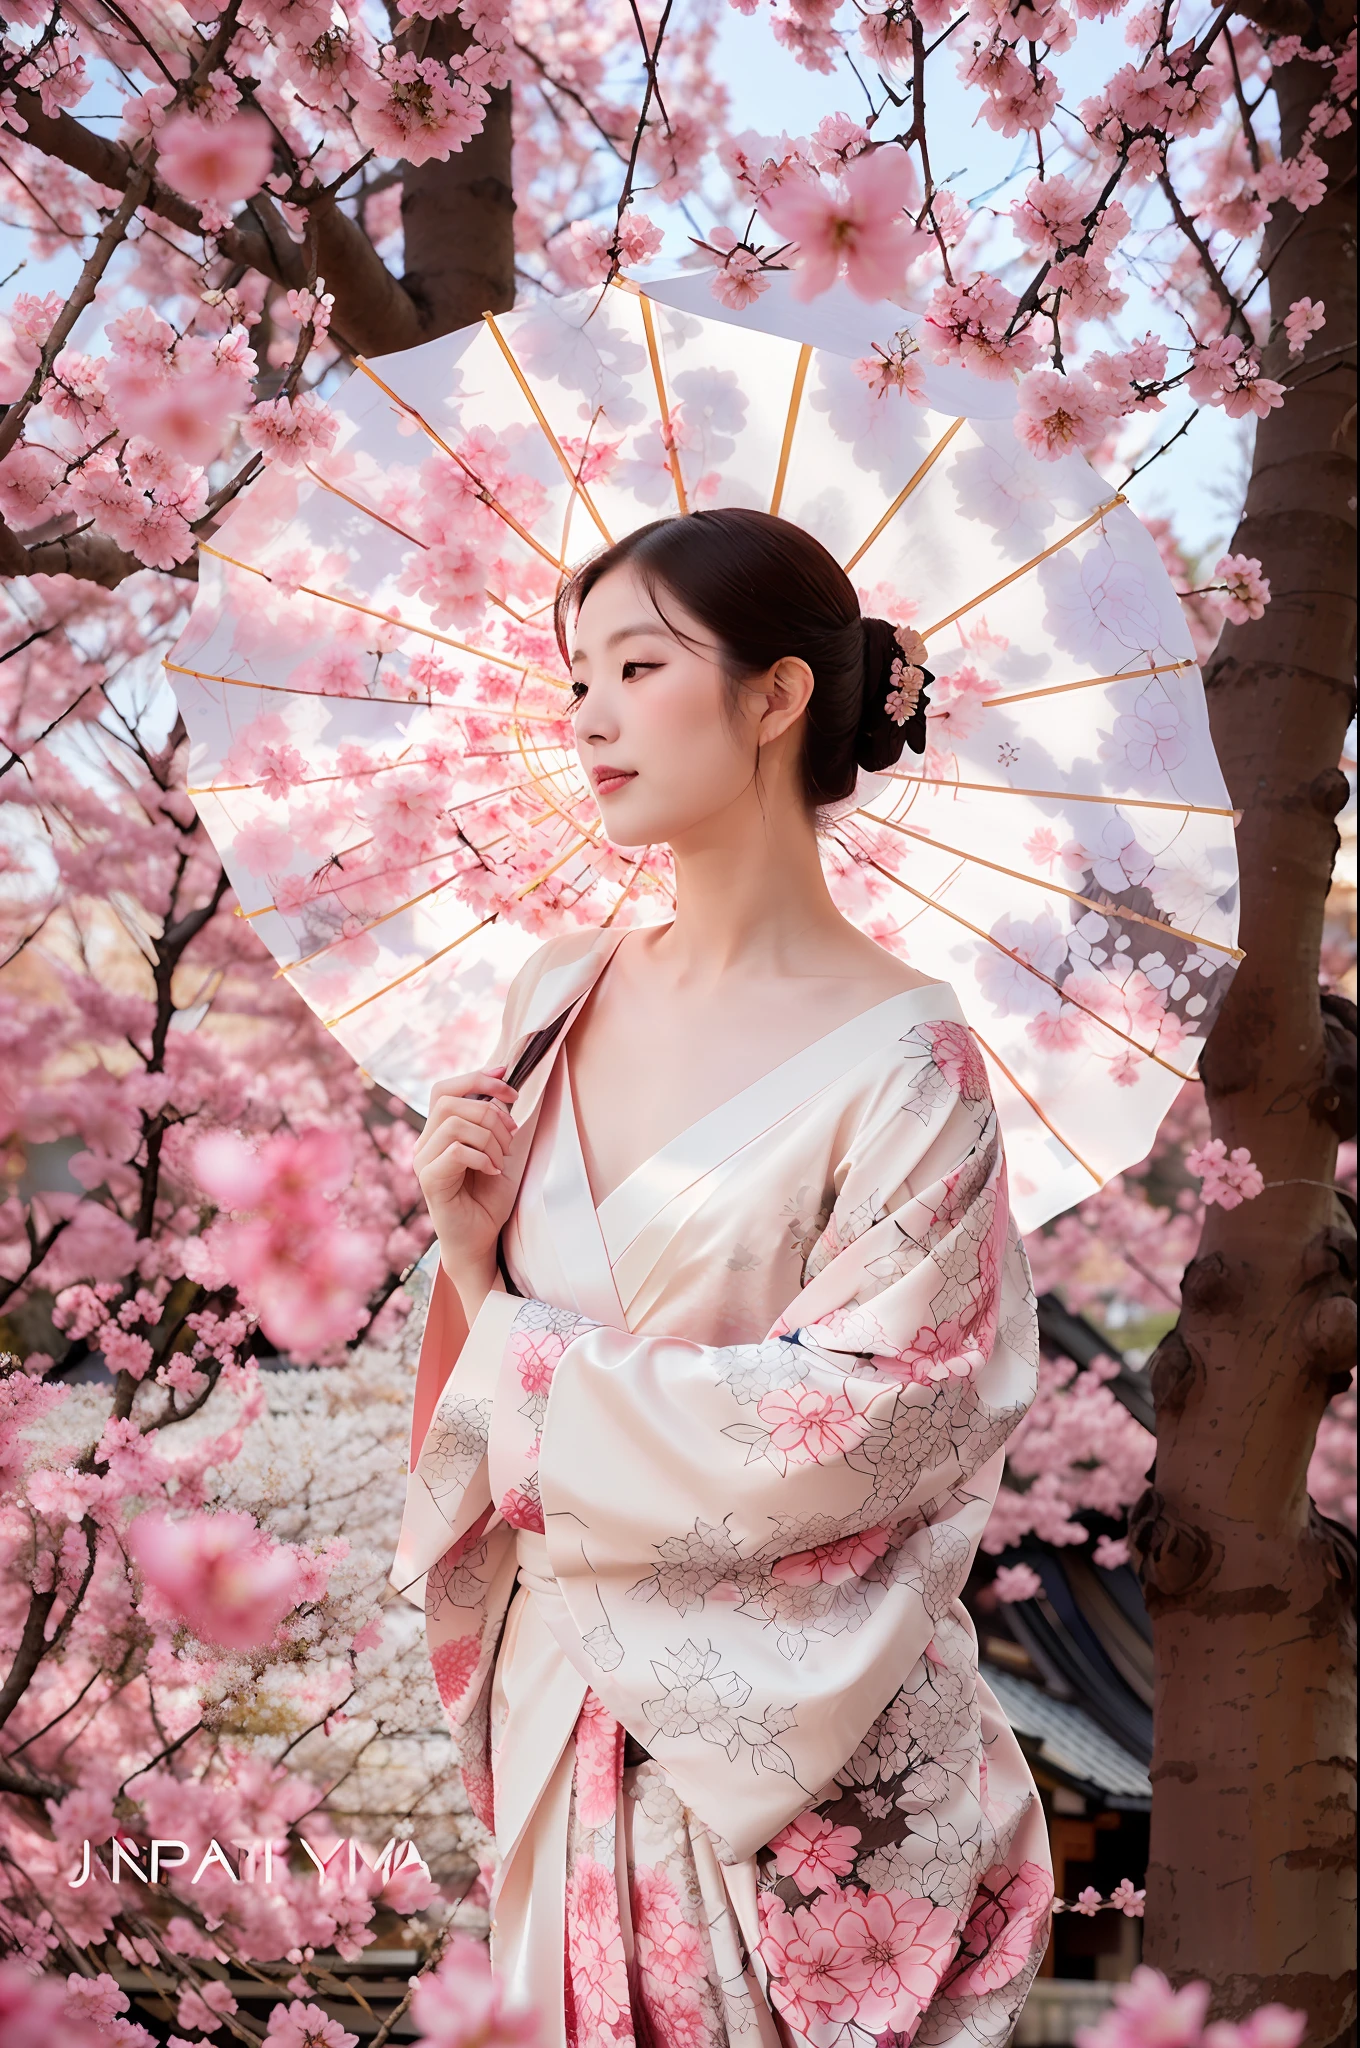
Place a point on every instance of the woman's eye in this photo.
(578, 691)
(637, 664)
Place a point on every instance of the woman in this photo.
(740, 1325)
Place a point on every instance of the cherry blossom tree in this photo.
(227, 204)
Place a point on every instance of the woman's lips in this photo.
(606, 779)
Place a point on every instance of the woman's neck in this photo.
(750, 894)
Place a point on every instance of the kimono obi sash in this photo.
(537, 1575)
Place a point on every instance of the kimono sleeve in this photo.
(755, 1542)
(446, 1489)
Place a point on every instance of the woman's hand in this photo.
(458, 1160)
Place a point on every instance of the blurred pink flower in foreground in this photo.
(185, 414)
(860, 224)
(217, 161)
(32, 2011)
(306, 1275)
(459, 2005)
(1147, 2013)
(1230, 1178)
(220, 1572)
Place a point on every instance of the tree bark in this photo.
(458, 217)
(1250, 1591)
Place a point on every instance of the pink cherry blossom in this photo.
(968, 324)
(415, 108)
(831, 1564)
(955, 1052)
(896, 369)
(33, 2009)
(220, 1573)
(453, 1664)
(458, 2005)
(599, 1761)
(300, 2024)
(1129, 1900)
(872, 1957)
(670, 1950)
(205, 2007)
(861, 228)
(22, 333)
(307, 1274)
(185, 413)
(949, 1350)
(1147, 2010)
(1304, 317)
(218, 161)
(739, 276)
(1247, 591)
(1007, 1917)
(1052, 214)
(1230, 1178)
(1017, 1582)
(291, 432)
(1059, 413)
(810, 1425)
(813, 1851)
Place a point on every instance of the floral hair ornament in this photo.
(893, 713)
(907, 676)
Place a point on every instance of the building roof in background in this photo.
(1066, 1738)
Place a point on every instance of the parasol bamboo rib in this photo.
(204, 675)
(795, 400)
(560, 862)
(1043, 882)
(1046, 1121)
(1028, 965)
(623, 894)
(331, 1022)
(491, 654)
(1062, 796)
(908, 487)
(368, 510)
(468, 803)
(306, 959)
(489, 497)
(1025, 567)
(667, 434)
(1128, 675)
(578, 488)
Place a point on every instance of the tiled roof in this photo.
(1069, 1739)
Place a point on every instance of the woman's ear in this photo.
(786, 690)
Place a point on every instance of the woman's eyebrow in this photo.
(624, 632)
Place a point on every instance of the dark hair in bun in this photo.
(763, 588)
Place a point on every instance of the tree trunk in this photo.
(459, 216)
(1249, 1589)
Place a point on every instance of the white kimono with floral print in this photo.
(713, 1479)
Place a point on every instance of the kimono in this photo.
(691, 1506)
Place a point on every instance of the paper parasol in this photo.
(377, 710)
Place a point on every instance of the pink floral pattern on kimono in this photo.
(874, 1959)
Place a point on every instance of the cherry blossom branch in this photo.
(96, 264)
(1237, 321)
(1157, 453)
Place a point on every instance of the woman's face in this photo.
(654, 735)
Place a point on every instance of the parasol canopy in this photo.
(380, 741)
